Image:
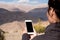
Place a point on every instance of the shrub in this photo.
(1, 34)
(39, 28)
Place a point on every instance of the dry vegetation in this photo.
(41, 26)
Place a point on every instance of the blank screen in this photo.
(29, 26)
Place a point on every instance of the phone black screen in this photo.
(29, 26)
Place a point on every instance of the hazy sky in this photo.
(25, 1)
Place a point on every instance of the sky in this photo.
(25, 1)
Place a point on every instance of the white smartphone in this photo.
(29, 26)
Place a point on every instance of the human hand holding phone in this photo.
(26, 36)
(30, 31)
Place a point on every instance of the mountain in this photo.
(11, 13)
(38, 13)
(26, 7)
(10, 16)
(19, 15)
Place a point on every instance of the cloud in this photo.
(28, 1)
(34, 2)
(22, 1)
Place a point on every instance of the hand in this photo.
(26, 36)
